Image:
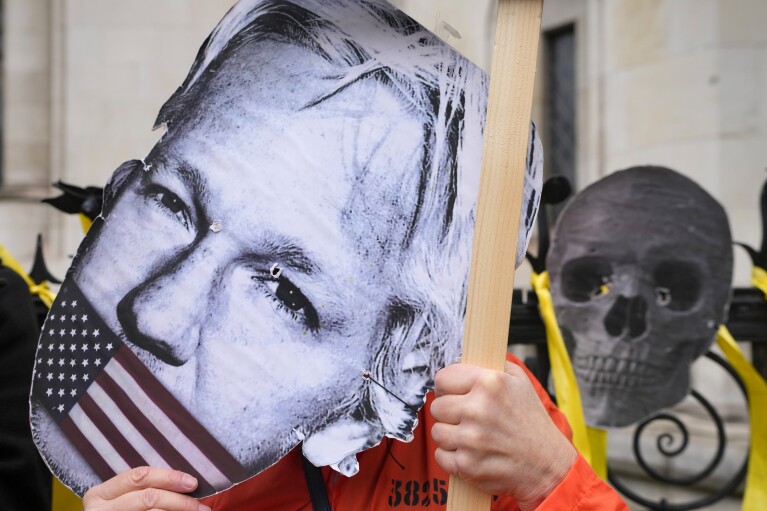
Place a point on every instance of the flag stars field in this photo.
(100, 371)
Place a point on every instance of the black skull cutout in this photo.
(640, 270)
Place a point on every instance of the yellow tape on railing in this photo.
(565, 386)
(759, 279)
(85, 222)
(40, 290)
(598, 446)
(755, 496)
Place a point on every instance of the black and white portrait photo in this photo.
(287, 265)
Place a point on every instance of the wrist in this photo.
(551, 476)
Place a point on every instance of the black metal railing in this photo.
(670, 445)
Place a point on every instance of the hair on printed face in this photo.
(449, 94)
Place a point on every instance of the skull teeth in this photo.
(615, 372)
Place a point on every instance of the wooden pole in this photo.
(491, 278)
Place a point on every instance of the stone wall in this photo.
(677, 83)
(83, 82)
(26, 122)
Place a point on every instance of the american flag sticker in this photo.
(110, 406)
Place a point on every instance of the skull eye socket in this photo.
(586, 278)
(677, 285)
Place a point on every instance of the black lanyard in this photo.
(316, 486)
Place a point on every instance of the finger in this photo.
(452, 462)
(154, 499)
(140, 478)
(447, 408)
(455, 379)
(445, 436)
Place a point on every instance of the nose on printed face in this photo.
(164, 315)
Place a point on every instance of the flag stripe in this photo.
(93, 457)
(121, 415)
(152, 434)
(94, 437)
(180, 416)
(126, 428)
(110, 432)
(166, 426)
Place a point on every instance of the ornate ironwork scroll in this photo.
(671, 445)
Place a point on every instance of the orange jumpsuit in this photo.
(404, 476)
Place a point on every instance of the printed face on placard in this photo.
(289, 262)
(640, 273)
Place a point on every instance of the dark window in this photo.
(560, 139)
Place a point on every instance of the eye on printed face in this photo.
(265, 321)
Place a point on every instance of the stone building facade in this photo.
(681, 83)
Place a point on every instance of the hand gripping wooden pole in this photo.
(491, 279)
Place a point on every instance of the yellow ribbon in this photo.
(85, 222)
(590, 442)
(755, 496)
(598, 446)
(40, 290)
(759, 279)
